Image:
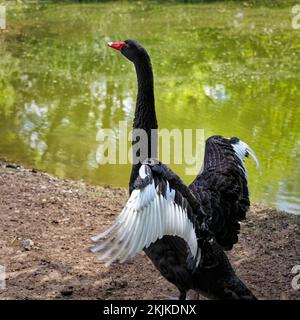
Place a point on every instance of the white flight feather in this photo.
(168, 225)
(152, 225)
(146, 217)
(241, 149)
(149, 224)
(178, 222)
(181, 224)
(132, 234)
(135, 238)
(173, 218)
(124, 236)
(176, 219)
(140, 242)
(159, 218)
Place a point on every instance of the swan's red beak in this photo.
(116, 45)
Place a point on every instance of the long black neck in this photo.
(145, 116)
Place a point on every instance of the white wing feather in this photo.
(241, 149)
(146, 217)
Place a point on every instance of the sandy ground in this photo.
(46, 223)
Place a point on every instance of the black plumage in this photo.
(222, 189)
(195, 223)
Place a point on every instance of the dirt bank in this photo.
(46, 223)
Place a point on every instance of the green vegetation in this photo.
(231, 68)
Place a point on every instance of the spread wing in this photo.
(222, 187)
(159, 205)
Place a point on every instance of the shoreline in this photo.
(46, 224)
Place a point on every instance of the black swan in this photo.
(183, 229)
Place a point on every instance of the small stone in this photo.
(13, 166)
(67, 292)
(27, 244)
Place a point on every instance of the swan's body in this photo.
(182, 229)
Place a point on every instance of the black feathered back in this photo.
(222, 189)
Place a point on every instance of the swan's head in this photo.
(131, 49)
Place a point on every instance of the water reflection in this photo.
(217, 93)
(232, 71)
(34, 124)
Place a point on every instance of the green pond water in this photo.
(229, 68)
